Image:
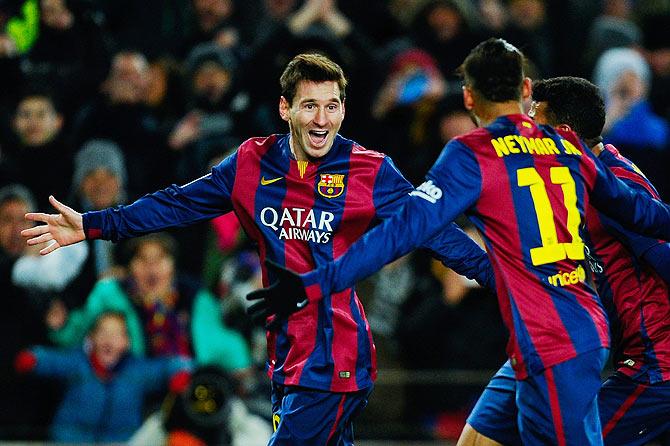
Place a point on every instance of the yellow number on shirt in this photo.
(551, 250)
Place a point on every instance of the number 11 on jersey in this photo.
(552, 250)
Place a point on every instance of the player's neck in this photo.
(297, 154)
(598, 149)
(493, 110)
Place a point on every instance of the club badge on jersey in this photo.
(331, 185)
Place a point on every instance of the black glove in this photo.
(281, 299)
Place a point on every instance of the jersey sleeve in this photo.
(658, 257)
(452, 186)
(390, 189)
(633, 209)
(205, 198)
(452, 246)
(638, 244)
(456, 250)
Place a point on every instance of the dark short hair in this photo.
(17, 192)
(573, 101)
(310, 67)
(34, 90)
(494, 69)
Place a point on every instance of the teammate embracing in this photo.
(631, 273)
(526, 187)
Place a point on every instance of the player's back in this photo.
(635, 296)
(534, 189)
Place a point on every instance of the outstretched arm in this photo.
(62, 229)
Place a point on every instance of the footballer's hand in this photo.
(62, 229)
(281, 299)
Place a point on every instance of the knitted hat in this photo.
(210, 52)
(616, 61)
(99, 153)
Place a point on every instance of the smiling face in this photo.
(314, 118)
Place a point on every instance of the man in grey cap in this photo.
(99, 178)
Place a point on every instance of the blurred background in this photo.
(102, 101)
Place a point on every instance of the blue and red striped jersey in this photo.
(635, 296)
(526, 188)
(301, 215)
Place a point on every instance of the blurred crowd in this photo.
(102, 101)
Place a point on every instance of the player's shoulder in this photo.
(570, 135)
(611, 157)
(360, 154)
(258, 144)
(359, 151)
(625, 169)
(479, 138)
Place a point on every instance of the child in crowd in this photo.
(105, 385)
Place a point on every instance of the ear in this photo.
(526, 88)
(564, 127)
(284, 109)
(468, 98)
(343, 108)
(59, 121)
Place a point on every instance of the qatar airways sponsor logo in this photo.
(428, 191)
(299, 224)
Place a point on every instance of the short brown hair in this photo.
(310, 67)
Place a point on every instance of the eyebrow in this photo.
(333, 99)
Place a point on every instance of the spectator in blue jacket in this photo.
(105, 385)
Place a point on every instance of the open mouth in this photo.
(318, 137)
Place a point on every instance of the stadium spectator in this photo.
(37, 126)
(99, 181)
(121, 115)
(216, 116)
(624, 77)
(155, 28)
(71, 52)
(218, 22)
(43, 281)
(442, 29)
(317, 26)
(166, 314)
(613, 28)
(403, 105)
(657, 53)
(105, 386)
(529, 27)
(20, 22)
(26, 404)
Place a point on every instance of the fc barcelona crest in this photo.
(331, 185)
